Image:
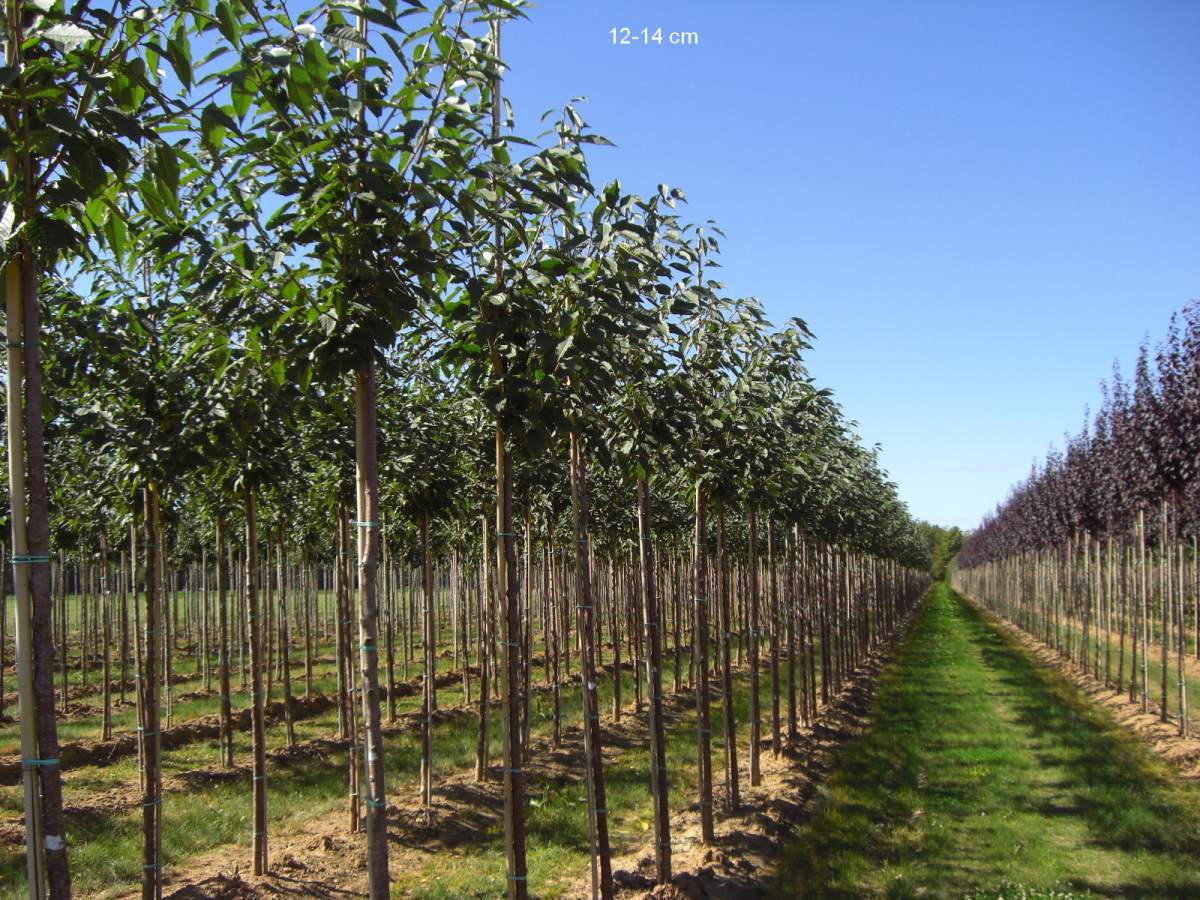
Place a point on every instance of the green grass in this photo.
(1110, 645)
(105, 846)
(105, 849)
(556, 823)
(985, 775)
(124, 718)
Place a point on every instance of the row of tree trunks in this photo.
(1093, 598)
(819, 601)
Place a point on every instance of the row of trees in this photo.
(1096, 551)
(270, 269)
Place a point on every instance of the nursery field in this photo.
(397, 508)
(206, 817)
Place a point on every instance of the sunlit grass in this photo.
(982, 769)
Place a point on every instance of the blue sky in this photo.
(975, 206)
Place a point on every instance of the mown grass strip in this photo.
(986, 775)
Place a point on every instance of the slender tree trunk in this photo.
(527, 635)
(223, 646)
(429, 674)
(700, 663)
(151, 734)
(42, 626)
(508, 586)
(484, 605)
(27, 698)
(776, 743)
(124, 628)
(389, 591)
(106, 635)
(614, 620)
(508, 583)
(254, 638)
(308, 592)
(754, 643)
(367, 469)
(137, 641)
(792, 610)
(1164, 605)
(552, 640)
(732, 794)
(1143, 603)
(591, 702)
(651, 621)
(168, 630)
(205, 631)
(1180, 642)
(285, 641)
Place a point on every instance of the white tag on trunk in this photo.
(54, 842)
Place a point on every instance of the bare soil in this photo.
(322, 858)
(74, 754)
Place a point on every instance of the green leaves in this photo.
(215, 123)
(179, 55)
(346, 37)
(116, 234)
(227, 22)
(291, 205)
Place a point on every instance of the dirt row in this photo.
(1162, 737)
(95, 752)
(100, 804)
(739, 863)
(75, 754)
(96, 686)
(319, 858)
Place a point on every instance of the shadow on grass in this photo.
(982, 773)
(1130, 799)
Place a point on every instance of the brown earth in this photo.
(738, 865)
(102, 804)
(74, 754)
(321, 858)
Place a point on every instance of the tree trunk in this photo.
(42, 625)
(430, 666)
(732, 797)
(367, 470)
(106, 629)
(754, 643)
(510, 619)
(285, 641)
(1164, 605)
(31, 776)
(658, 742)
(1143, 603)
(484, 605)
(552, 628)
(223, 647)
(254, 637)
(591, 701)
(776, 745)
(151, 734)
(700, 668)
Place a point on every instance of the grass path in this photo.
(985, 775)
